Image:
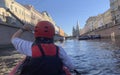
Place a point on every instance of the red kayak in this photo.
(16, 70)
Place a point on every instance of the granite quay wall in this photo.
(6, 32)
(107, 31)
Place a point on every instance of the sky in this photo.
(66, 13)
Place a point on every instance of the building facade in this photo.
(97, 22)
(115, 10)
(76, 31)
(107, 17)
(89, 26)
(2, 15)
(26, 13)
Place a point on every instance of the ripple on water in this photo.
(94, 57)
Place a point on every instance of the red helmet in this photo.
(44, 29)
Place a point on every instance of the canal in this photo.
(94, 57)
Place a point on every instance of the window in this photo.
(112, 1)
(11, 7)
(15, 9)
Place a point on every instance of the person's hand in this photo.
(27, 28)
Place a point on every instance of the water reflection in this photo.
(96, 57)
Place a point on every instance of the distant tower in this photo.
(73, 32)
(77, 29)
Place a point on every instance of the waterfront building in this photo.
(35, 15)
(107, 17)
(61, 32)
(90, 23)
(100, 21)
(97, 22)
(115, 10)
(103, 20)
(2, 15)
(85, 29)
(19, 10)
(25, 13)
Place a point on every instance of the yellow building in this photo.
(61, 32)
(35, 15)
(3, 14)
(25, 13)
(20, 11)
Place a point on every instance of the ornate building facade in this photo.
(27, 14)
(76, 31)
(115, 10)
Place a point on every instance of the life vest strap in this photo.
(41, 49)
(57, 49)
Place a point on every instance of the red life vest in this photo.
(49, 50)
(44, 61)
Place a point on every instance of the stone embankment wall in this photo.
(6, 32)
(107, 31)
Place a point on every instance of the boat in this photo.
(17, 69)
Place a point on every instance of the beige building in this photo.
(84, 30)
(25, 13)
(35, 15)
(38, 16)
(103, 19)
(107, 17)
(3, 15)
(97, 22)
(90, 23)
(95, 25)
(100, 21)
(20, 11)
(115, 10)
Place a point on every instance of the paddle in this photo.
(77, 73)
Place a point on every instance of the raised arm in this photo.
(21, 30)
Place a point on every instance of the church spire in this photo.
(78, 28)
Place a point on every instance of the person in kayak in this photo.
(46, 58)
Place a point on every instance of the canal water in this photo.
(94, 57)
